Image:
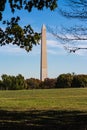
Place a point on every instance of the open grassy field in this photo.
(45, 99)
(44, 109)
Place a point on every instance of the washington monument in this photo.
(43, 67)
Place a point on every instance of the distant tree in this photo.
(1, 85)
(24, 37)
(20, 82)
(12, 85)
(64, 81)
(6, 81)
(48, 83)
(32, 83)
(79, 81)
(12, 82)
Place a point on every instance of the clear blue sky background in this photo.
(14, 60)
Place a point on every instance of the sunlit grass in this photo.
(44, 99)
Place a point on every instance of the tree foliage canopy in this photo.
(14, 33)
(18, 82)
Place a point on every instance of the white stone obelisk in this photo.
(43, 67)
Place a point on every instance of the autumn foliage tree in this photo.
(32, 83)
(47, 83)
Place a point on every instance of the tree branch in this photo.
(75, 9)
(70, 36)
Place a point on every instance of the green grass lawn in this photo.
(45, 99)
(46, 109)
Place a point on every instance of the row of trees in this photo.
(71, 81)
(11, 82)
(62, 81)
(18, 82)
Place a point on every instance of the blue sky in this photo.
(15, 60)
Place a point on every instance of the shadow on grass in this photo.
(43, 120)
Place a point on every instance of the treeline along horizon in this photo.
(18, 82)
